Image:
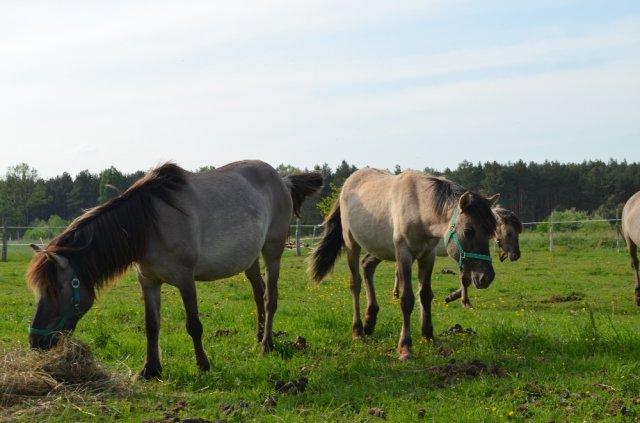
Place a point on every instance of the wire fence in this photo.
(593, 233)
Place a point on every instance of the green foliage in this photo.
(45, 230)
(111, 183)
(326, 203)
(22, 192)
(571, 217)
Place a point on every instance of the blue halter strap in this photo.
(73, 310)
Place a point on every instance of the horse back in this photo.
(226, 216)
(378, 209)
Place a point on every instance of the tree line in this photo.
(531, 190)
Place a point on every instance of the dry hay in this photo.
(33, 381)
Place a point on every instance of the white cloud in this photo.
(90, 88)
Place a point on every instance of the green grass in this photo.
(577, 361)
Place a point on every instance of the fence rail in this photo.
(299, 236)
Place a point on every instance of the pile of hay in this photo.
(67, 369)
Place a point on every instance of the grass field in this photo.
(546, 359)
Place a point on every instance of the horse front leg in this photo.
(453, 296)
(464, 288)
(151, 295)
(404, 260)
(425, 268)
(194, 327)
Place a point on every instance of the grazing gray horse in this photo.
(508, 229)
(176, 227)
(631, 233)
(402, 218)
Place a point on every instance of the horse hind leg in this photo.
(272, 254)
(369, 264)
(258, 287)
(396, 287)
(355, 286)
(404, 260)
(633, 252)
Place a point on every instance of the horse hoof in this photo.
(405, 356)
(150, 372)
(356, 331)
(204, 365)
(404, 353)
(395, 295)
(369, 328)
(266, 348)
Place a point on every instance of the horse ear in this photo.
(61, 261)
(36, 248)
(493, 200)
(464, 201)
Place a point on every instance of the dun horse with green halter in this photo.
(176, 227)
(402, 218)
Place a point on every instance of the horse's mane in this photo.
(102, 243)
(447, 193)
(509, 218)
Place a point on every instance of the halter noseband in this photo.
(72, 311)
(462, 255)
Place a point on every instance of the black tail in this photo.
(325, 254)
(301, 186)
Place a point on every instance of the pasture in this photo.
(555, 337)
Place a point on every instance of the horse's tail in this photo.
(302, 185)
(325, 254)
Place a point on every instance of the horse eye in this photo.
(468, 233)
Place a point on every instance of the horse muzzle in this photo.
(44, 342)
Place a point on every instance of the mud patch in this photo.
(446, 271)
(232, 409)
(378, 412)
(173, 415)
(468, 370)
(572, 296)
(457, 329)
(286, 349)
(292, 387)
(224, 332)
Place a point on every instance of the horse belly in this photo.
(376, 240)
(228, 253)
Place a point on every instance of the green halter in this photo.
(71, 311)
(451, 234)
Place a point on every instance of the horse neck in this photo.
(441, 224)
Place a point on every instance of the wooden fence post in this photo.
(297, 237)
(5, 236)
(550, 236)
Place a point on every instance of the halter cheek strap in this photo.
(452, 234)
(72, 311)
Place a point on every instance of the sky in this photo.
(88, 85)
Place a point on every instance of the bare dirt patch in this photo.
(467, 370)
(572, 296)
(457, 329)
